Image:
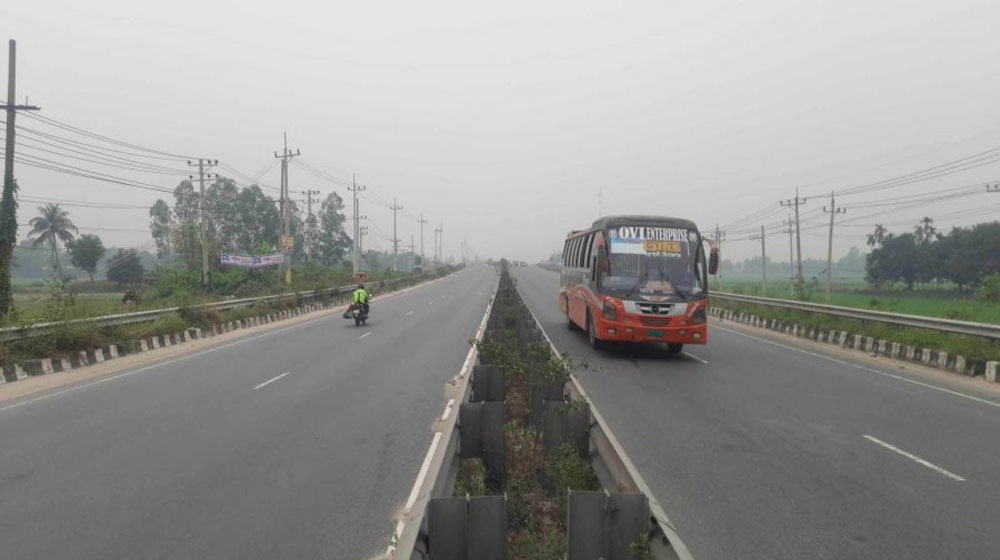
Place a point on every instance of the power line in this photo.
(94, 135)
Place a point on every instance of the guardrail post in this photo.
(603, 526)
(481, 436)
(465, 528)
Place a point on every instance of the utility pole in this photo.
(422, 221)
(362, 232)
(12, 108)
(355, 188)
(437, 243)
(395, 238)
(796, 202)
(310, 221)
(763, 255)
(791, 254)
(286, 243)
(720, 236)
(441, 239)
(203, 212)
(8, 204)
(833, 211)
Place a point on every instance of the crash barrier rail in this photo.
(8, 334)
(437, 524)
(985, 330)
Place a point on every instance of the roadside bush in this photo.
(989, 290)
(193, 316)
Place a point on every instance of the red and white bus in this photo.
(638, 279)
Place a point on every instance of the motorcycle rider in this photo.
(360, 297)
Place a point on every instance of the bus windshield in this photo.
(653, 263)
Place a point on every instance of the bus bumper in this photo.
(628, 331)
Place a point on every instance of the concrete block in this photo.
(112, 351)
(64, 364)
(993, 372)
(942, 360)
(143, 345)
(35, 367)
(962, 365)
(883, 348)
(168, 340)
(19, 373)
(83, 358)
(156, 342)
(896, 350)
(925, 355)
(98, 355)
(911, 353)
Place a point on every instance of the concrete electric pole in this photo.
(791, 254)
(8, 201)
(286, 243)
(833, 211)
(395, 238)
(422, 221)
(720, 236)
(203, 165)
(763, 256)
(796, 202)
(355, 188)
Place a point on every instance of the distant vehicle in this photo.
(638, 279)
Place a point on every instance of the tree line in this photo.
(244, 221)
(964, 256)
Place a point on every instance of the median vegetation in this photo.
(535, 480)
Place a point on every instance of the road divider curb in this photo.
(930, 357)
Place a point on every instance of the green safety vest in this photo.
(359, 296)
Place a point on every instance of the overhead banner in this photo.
(252, 262)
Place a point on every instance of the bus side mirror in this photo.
(713, 262)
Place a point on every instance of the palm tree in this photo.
(51, 226)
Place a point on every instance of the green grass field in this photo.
(949, 304)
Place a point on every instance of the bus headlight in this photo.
(699, 316)
(608, 312)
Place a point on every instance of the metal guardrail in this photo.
(8, 334)
(985, 330)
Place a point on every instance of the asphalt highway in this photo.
(301, 443)
(761, 446)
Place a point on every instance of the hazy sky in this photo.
(505, 120)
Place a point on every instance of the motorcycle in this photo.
(358, 313)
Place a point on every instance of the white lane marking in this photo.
(272, 380)
(863, 368)
(690, 355)
(447, 409)
(408, 313)
(423, 471)
(305, 323)
(913, 457)
(431, 302)
(364, 335)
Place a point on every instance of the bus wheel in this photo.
(595, 342)
(674, 348)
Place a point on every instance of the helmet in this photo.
(361, 286)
